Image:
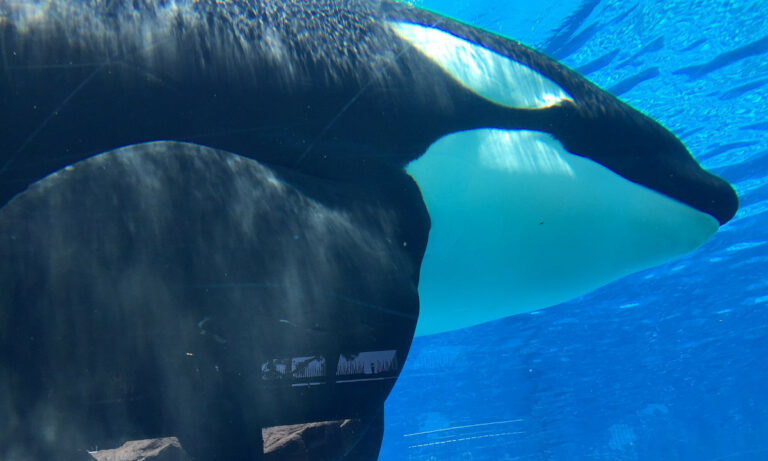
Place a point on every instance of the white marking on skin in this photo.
(519, 224)
(487, 73)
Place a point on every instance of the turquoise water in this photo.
(664, 364)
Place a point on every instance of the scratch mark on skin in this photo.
(47, 119)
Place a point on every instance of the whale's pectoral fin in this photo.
(180, 272)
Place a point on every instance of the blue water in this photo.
(666, 364)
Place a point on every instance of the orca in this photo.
(384, 149)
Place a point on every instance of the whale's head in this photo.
(560, 189)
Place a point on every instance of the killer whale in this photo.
(279, 83)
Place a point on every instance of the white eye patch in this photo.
(489, 74)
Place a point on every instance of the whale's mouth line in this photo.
(627, 142)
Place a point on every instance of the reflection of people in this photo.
(268, 370)
(373, 370)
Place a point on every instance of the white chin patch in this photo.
(489, 74)
(519, 224)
